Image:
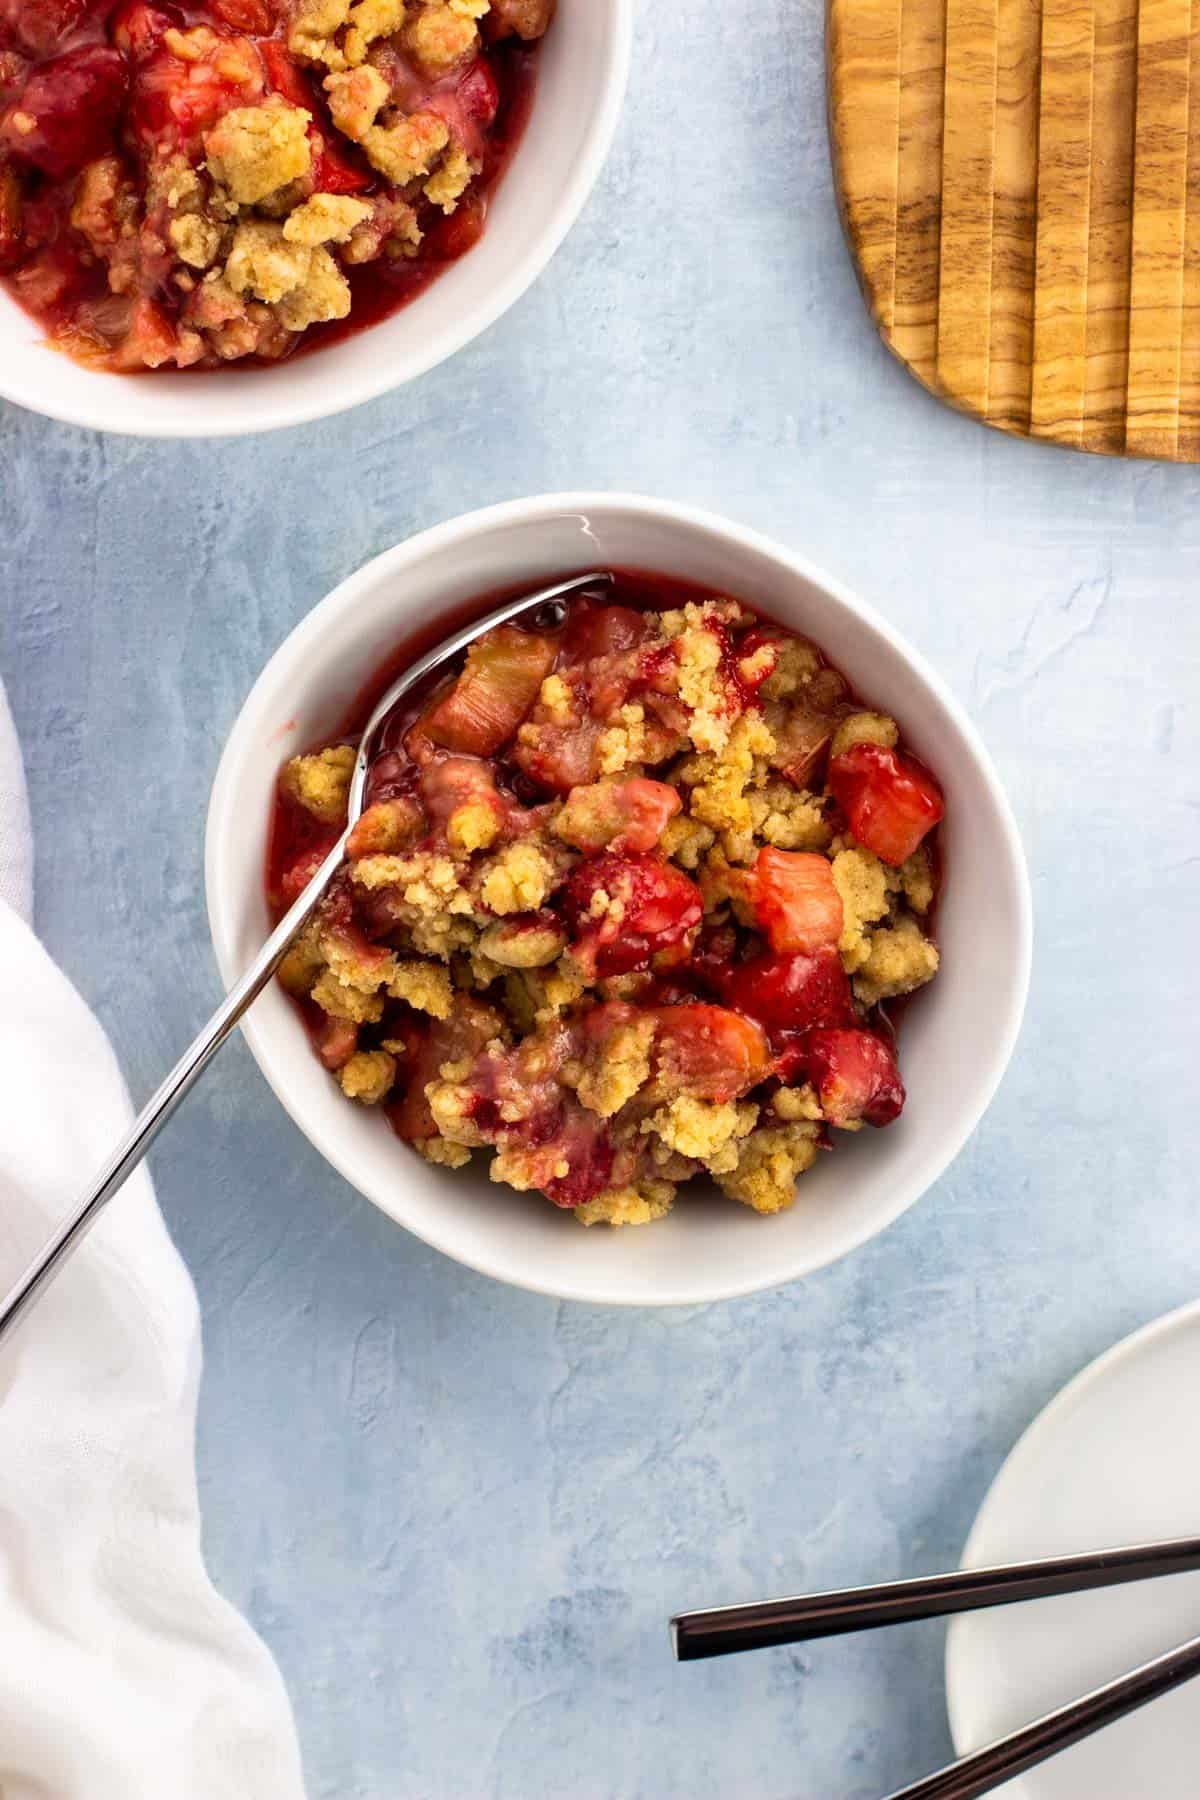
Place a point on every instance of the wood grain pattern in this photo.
(1020, 186)
(1063, 218)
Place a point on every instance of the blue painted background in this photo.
(461, 1515)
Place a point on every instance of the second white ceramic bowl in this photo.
(581, 84)
(957, 1036)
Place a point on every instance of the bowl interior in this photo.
(956, 1037)
(580, 87)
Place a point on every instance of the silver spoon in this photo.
(196, 1057)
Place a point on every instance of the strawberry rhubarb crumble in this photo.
(189, 185)
(626, 905)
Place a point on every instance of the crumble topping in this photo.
(180, 194)
(684, 901)
(255, 150)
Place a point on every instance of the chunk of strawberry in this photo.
(794, 899)
(333, 171)
(581, 1142)
(787, 994)
(448, 782)
(335, 1041)
(150, 341)
(470, 1026)
(452, 234)
(709, 1051)
(594, 631)
(65, 114)
(253, 16)
(177, 98)
(497, 687)
(623, 909)
(468, 108)
(38, 25)
(298, 874)
(855, 1075)
(138, 29)
(618, 815)
(286, 76)
(890, 800)
(560, 757)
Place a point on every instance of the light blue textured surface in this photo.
(461, 1515)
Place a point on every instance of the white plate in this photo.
(1114, 1459)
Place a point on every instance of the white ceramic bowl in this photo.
(956, 1040)
(584, 67)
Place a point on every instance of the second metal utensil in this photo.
(722, 1630)
(195, 1059)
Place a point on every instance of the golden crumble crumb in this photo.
(313, 28)
(452, 1104)
(450, 180)
(197, 240)
(303, 962)
(520, 879)
(865, 728)
(517, 943)
(366, 967)
(865, 885)
(384, 828)
(702, 687)
(440, 36)
(369, 20)
(323, 294)
(797, 662)
(425, 986)
(253, 150)
(719, 781)
(789, 818)
(916, 879)
(441, 1152)
(262, 262)
(623, 746)
(407, 149)
(628, 1206)
(685, 841)
(900, 959)
(321, 783)
(475, 825)
(355, 99)
(555, 696)
(790, 1104)
(368, 1076)
(341, 1001)
(703, 1129)
(325, 219)
(620, 1069)
(769, 1163)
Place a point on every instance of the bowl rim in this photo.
(19, 386)
(289, 657)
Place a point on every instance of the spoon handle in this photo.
(721, 1630)
(162, 1103)
(990, 1768)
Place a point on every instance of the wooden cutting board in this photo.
(1020, 187)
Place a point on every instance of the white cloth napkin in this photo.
(123, 1675)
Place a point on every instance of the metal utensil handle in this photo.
(722, 1630)
(162, 1103)
(987, 1769)
(196, 1057)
